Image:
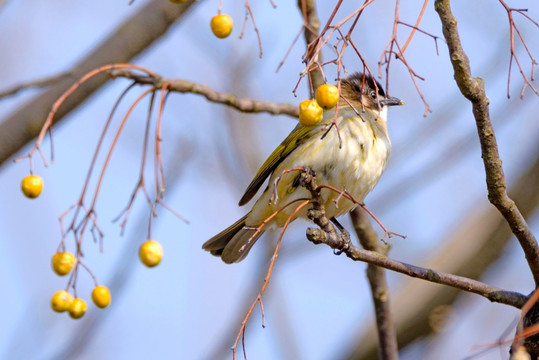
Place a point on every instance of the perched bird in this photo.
(351, 159)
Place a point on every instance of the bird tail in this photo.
(233, 243)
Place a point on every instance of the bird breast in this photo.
(359, 163)
(355, 167)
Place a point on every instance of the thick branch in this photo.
(326, 234)
(312, 25)
(492, 293)
(473, 89)
(185, 86)
(132, 37)
(387, 337)
(481, 238)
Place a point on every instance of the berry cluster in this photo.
(311, 112)
(150, 254)
(62, 301)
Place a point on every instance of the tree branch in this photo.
(48, 81)
(473, 89)
(355, 253)
(326, 234)
(131, 38)
(185, 86)
(311, 25)
(387, 336)
(480, 240)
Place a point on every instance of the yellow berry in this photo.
(101, 296)
(150, 253)
(61, 301)
(63, 262)
(178, 1)
(327, 96)
(221, 25)
(310, 113)
(77, 309)
(31, 186)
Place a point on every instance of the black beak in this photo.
(391, 101)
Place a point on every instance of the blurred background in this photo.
(318, 305)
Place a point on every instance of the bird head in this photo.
(363, 92)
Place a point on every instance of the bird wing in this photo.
(292, 141)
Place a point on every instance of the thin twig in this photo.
(512, 28)
(415, 27)
(49, 121)
(241, 332)
(51, 80)
(249, 14)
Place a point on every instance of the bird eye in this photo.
(373, 94)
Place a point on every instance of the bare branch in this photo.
(387, 336)
(185, 86)
(249, 14)
(140, 31)
(473, 89)
(415, 27)
(48, 81)
(478, 242)
(258, 300)
(311, 24)
(512, 29)
(355, 253)
(326, 234)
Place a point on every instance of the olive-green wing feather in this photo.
(292, 141)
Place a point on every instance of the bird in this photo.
(350, 156)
